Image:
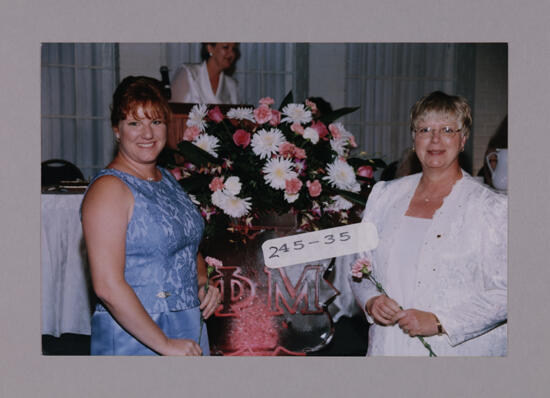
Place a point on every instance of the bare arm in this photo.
(106, 211)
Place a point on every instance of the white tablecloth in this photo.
(65, 276)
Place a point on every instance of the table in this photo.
(66, 287)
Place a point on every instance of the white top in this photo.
(461, 271)
(192, 84)
(402, 266)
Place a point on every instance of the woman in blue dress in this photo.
(142, 234)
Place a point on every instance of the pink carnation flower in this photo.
(321, 129)
(299, 153)
(314, 187)
(365, 171)
(293, 186)
(297, 128)
(191, 133)
(335, 131)
(266, 101)
(176, 173)
(213, 262)
(216, 114)
(361, 267)
(241, 138)
(311, 105)
(286, 149)
(275, 118)
(216, 184)
(262, 114)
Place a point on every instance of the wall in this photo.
(491, 96)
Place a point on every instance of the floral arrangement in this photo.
(363, 268)
(253, 161)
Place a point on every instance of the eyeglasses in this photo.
(446, 131)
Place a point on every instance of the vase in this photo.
(267, 311)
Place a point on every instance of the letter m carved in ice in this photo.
(302, 296)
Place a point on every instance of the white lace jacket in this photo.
(462, 267)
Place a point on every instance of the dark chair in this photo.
(56, 170)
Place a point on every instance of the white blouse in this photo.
(192, 84)
(461, 273)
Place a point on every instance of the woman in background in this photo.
(208, 82)
(142, 234)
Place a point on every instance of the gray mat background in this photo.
(24, 372)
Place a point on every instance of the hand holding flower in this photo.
(416, 322)
(210, 299)
(386, 311)
(383, 309)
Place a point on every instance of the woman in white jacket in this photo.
(442, 253)
(208, 82)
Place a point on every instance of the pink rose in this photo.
(241, 138)
(266, 101)
(365, 171)
(286, 149)
(275, 118)
(299, 153)
(216, 184)
(314, 188)
(293, 186)
(321, 129)
(191, 133)
(176, 173)
(297, 128)
(262, 114)
(216, 114)
(334, 130)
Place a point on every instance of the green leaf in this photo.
(195, 183)
(375, 163)
(196, 155)
(331, 117)
(288, 100)
(351, 196)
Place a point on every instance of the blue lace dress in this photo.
(162, 241)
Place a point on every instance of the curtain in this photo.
(385, 80)
(77, 82)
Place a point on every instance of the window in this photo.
(77, 82)
(385, 80)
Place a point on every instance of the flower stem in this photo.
(381, 290)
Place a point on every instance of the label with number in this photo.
(319, 245)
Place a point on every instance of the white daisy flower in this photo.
(339, 204)
(208, 143)
(311, 134)
(197, 115)
(219, 198)
(296, 113)
(241, 114)
(232, 186)
(265, 143)
(341, 175)
(277, 171)
(339, 146)
(236, 207)
(290, 198)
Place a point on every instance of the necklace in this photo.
(143, 177)
(447, 190)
